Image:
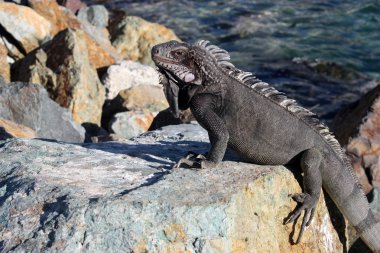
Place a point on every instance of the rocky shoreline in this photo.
(71, 73)
(93, 62)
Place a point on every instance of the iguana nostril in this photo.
(155, 50)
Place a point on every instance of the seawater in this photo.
(272, 38)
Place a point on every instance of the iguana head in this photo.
(176, 59)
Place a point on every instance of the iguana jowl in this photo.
(263, 126)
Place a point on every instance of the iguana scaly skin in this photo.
(263, 126)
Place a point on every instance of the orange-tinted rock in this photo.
(59, 17)
(133, 37)
(25, 25)
(4, 66)
(16, 130)
(62, 66)
(359, 126)
(101, 52)
(143, 102)
(130, 124)
(144, 98)
(99, 57)
(367, 143)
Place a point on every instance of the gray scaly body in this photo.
(263, 126)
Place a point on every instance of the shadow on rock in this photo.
(150, 181)
(165, 152)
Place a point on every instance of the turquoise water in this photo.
(265, 37)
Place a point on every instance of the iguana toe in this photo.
(307, 204)
(194, 161)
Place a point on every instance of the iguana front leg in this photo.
(312, 182)
(203, 107)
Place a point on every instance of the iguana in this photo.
(264, 127)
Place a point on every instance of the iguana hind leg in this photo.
(312, 182)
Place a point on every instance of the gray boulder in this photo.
(30, 105)
(97, 15)
(124, 197)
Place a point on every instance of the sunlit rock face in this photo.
(124, 197)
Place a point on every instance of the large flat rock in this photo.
(124, 197)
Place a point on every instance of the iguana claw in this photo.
(307, 204)
(194, 161)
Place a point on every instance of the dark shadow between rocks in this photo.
(4, 134)
(359, 247)
(12, 40)
(93, 130)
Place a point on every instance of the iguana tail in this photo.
(343, 187)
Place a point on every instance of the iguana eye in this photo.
(179, 53)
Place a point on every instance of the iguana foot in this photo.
(307, 204)
(194, 161)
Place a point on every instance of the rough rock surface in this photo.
(24, 29)
(30, 105)
(99, 54)
(360, 121)
(9, 129)
(72, 5)
(61, 19)
(127, 74)
(96, 15)
(143, 102)
(122, 197)
(133, 37)
(5, 70)
(144, 98)
(62, 66)
(130, 124)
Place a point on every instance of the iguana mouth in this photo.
(162, 59)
